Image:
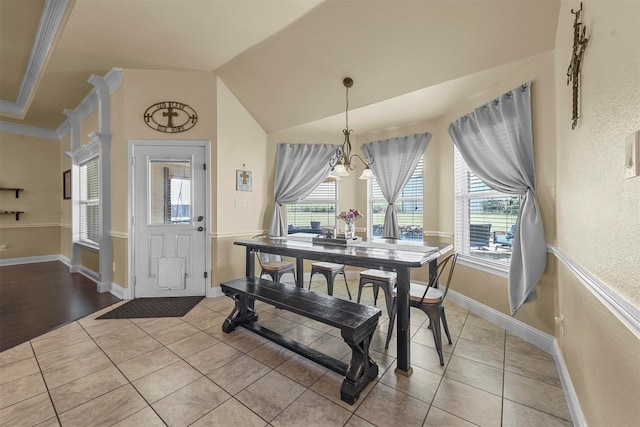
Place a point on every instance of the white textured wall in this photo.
(598, 210)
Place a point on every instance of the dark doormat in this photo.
(153, 307)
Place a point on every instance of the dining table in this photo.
(395, 255)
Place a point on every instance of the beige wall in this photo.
(120, 253)
(600, 354)
(598, 210)
(241, 145)
(26, 162)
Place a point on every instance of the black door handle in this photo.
(200, 218)
(200, 228)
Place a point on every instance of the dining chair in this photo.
(273, 265)
(429, 299)
(329, 270)
(379, 279)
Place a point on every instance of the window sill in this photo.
(88, 245)
(484, 265)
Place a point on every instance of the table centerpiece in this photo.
(349, 218)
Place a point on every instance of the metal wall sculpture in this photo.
(573, 72)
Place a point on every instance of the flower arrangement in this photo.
(349, 217)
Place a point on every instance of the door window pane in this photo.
(169, 192)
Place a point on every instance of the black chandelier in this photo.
(342, 163)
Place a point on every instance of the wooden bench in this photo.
(356, 322)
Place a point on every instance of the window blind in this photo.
(89, 202)
(409, 206)
(476, 204)
(319, 206)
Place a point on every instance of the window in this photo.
(485, 218)
(170, 191)
(408, 206)
(89, 203)
(317, 210)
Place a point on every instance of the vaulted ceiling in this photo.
(283, 59)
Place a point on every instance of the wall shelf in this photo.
(17, 190)
(16, 213)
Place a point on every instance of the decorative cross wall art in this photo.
(573, 72)
(170, 117)
(243, 180)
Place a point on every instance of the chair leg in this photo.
(273, 276)
(328, 275)
(392, 321)
(360, 285)
(344, 275)
(388, 297)
(310, 277)
(444, 323)
(434, 317)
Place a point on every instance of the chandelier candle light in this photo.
(341, 164)
(349, 219)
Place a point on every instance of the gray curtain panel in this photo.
(496, 142)
(300, 168)
(394, 161)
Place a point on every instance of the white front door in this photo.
(169, 221)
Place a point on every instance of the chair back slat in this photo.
(442, 265)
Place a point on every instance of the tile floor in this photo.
(186, 371)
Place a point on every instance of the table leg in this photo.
(250, 263)
(404, 334)
(300, 272)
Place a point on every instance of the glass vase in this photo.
(349, 230)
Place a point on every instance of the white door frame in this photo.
(132, 143)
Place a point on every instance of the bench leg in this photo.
(361, 369)
(243, 313)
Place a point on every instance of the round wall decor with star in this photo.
(170, 117)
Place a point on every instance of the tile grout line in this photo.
(443, 375)
(45, 382)
(122, 373)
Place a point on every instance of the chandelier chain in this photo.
(347, 109)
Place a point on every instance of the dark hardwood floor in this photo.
(36, 298)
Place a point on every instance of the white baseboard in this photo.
(214, 292)
(530, 334)
(516, 327)
(29, 260)
(567, 386)
(119, 292)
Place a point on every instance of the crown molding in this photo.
(50, 20)
(19, 129)
(113, 79)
